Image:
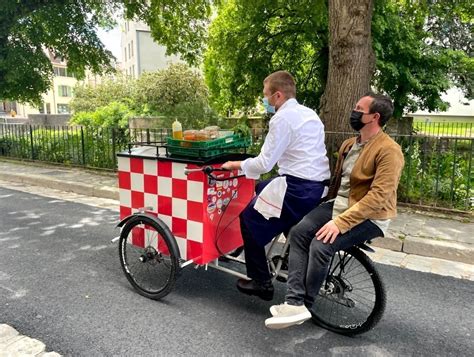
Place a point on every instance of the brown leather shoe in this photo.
(250, 287)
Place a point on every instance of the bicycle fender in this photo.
(125, 220)
(160, 223)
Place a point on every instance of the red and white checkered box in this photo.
(202, 215)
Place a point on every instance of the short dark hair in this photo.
(281, 81)
(381, 104)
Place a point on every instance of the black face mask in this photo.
(356, 120)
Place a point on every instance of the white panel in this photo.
(166, 219)
(194, 231)
(124, 164)
(179, 208)
(164, 186)
(151, 200)
(195, 191)
(150, 167)
(178, 170)
(182, 247)
(125, 197)
(137, 182)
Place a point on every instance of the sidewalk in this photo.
(449, 237)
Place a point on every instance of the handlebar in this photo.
(208, 170)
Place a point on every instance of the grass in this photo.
(459, 129)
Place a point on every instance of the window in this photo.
(125, 53)
(63, 108)
(129, 52)
(62, 72)
(65, 91)
(132, 48)
(41, 108)
(48, 108)
(133, 71)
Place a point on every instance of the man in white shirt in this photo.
(295, 142)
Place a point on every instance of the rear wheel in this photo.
(149, 256)
(352, 299)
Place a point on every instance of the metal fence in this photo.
(438, 168)
(451, 129)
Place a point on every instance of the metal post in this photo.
(31, 143)
(83, 147)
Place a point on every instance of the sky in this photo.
(111, 40)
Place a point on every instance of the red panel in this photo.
(164, 168)
(138, 200)
(124, 180)
(194, 251)
(164, 205)
(125, 212)
(179, 227)
(179, 189)
(138, 237)
(195, 210)
(162, 246)
(151, 185)
(136, 165)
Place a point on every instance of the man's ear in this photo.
(377, 117)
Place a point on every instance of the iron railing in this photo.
(438, 168)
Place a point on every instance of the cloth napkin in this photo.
(270, 201)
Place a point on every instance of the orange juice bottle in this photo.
(177, 130)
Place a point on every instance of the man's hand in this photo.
(231, 165)
(328, 232)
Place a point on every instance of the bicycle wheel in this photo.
(149, 256)
(352, 298)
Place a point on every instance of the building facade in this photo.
(140, 53)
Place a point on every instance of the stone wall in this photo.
(49, 119)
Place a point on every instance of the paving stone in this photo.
(391, 243)
(26, 346)
(7, 333)
(455, 251)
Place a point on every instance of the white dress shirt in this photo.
(295, 141)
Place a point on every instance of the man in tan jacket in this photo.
(362, 201)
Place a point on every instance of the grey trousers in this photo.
(309, 258)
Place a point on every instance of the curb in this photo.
(63, 185)
(453, 251)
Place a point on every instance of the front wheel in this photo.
(149, 256)
(352, 298)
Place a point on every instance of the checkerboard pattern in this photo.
(181, 202)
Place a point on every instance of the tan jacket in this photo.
(373, 182)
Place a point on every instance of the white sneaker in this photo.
(286, 315)
(276, 309)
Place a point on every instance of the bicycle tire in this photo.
(324, 300)
(153, 253)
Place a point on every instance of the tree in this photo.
(329, 49)
(66, 28)
(88, 98)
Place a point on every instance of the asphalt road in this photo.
(61, 282)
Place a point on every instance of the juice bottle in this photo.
(177, 130)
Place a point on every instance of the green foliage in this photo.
(436, 172)
(88, 98)
(177, 92)
(412, 67)
(250, 39)
(66, 29)
(113, 115)
(422, 48)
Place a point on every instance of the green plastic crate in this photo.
(207, 149)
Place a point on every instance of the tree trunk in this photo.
(351, 61)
